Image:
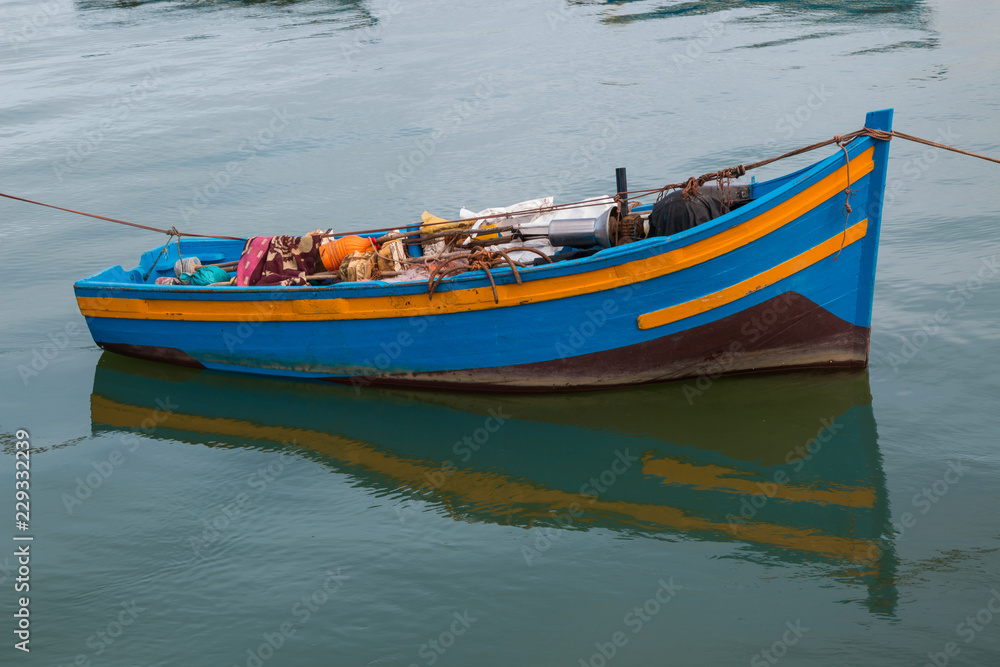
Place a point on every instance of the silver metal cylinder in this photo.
(576, 232)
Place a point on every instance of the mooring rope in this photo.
(881, 135)
(885, 136)
(690, 186)
(847, 193)
(169, 232)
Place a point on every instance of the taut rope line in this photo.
(690, 185)
(169, 232)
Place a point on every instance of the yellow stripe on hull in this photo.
(463, 300)
(681, 311)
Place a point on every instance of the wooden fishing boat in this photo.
(782, 281)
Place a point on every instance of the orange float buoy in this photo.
(334, 252)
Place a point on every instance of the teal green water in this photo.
(185, 518)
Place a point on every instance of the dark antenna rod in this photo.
(622, 182)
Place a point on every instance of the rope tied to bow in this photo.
(837, 139)
(172, 232)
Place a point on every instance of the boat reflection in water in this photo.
(787, 466)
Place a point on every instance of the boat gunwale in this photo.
(605, 259)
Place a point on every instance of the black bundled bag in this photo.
(675, 212)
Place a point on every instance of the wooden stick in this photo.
(323, 276)
(336, 277)
(459, 232)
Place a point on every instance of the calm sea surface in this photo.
(184, 518)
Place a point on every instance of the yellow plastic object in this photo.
(433, 225)
(488, 225)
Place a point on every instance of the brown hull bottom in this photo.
(784, 333)
(165, 355)
(787, 332)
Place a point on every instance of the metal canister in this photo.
(577, 232)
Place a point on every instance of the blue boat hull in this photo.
(784, 281)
